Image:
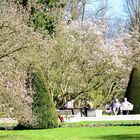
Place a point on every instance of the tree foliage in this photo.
(19, 47)
(81, 65)
(44, 14)
(78, 62)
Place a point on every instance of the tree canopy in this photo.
(78, 59)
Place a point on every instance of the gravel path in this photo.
(104, 118)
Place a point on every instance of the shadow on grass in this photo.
(9, 137)
(116, 137)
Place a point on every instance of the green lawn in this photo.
(84, 133)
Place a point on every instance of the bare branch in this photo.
(11, 52)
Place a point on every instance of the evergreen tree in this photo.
(133, 89)
(43, 106)
(44, 14)
(48, 16)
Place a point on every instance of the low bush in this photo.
(101, 123)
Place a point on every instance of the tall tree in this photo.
(80, 64)
(133, 11)
(19, 46)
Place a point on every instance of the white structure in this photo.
(8, 122)
(95, 113)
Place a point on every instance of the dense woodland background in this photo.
(79, 57)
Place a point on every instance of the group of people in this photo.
(87, 106)
(118, 107)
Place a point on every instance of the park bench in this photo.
(66, 113)
(90, 113)
(77, 112)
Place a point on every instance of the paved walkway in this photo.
(104, 118)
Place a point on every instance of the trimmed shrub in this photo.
(133, 89)
(43, 106)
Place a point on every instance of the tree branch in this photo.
(11, 52)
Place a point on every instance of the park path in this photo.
(104, 118)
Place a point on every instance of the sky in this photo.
(115, 8)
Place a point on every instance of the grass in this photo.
(78, 133)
